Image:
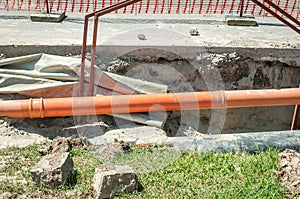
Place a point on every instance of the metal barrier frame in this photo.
(96, 16)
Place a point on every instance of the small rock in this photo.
(63, 145)
(117, 66)
(14, 157)
(125, 146)
(42, 126)
(53, 170)
(188, 131)
(108, 182)
(141, 37)
(194, 32)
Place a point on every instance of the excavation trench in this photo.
(191, 69)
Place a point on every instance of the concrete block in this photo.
(53, 170)
(133, 135)
(108, 182)
(48, 17)
(240, 21)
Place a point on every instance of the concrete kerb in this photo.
(250, 142)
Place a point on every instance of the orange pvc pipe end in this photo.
(57, 107)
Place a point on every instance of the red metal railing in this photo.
(154, 6)
(283, 14)
(114, 8)
(96, 15)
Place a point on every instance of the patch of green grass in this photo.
(164, 173)
(80, 181)
(21, 160)
(13, 188)
(214, 175)
(145, 159)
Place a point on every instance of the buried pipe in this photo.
(58, 107)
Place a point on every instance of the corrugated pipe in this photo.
(57, 107)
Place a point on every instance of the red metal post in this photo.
(47, 6)
(295, 117)
(84, 42)
(93, 53)
(283, 12)
(277, 16)
(242, 8)
(83, 55)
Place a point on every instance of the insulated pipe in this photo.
(56, 107)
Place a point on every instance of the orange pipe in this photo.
(56, 107)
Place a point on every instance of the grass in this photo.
(163, 173)
(77, 186)
(215, 175)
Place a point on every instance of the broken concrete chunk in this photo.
(53, 170)
(289, 175)
(108, 182)
(240, 21)
(48, 17)
(194, 32)
(133, 135)
(141, 37)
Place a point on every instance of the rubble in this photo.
(289, 173)
(110, 181)
(133, 134)
(194, 32)
(53, 170)
(141, 37)
(61, 145)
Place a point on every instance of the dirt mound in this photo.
(62, 145)
(289, 173)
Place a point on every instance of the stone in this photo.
(12, 139)
(48, 17)
(108, 182)
(53, 170)
(240, 21)
(194, 32)
(141, 37)
(132, 134)
(61, 144)
(289, 165)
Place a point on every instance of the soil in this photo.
(60, 145)
(289, 173)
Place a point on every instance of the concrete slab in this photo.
(251, 142)
(48, 17)
(133, 135)
(21, 140)
(240, 21)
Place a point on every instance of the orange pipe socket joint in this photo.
(58, 107)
